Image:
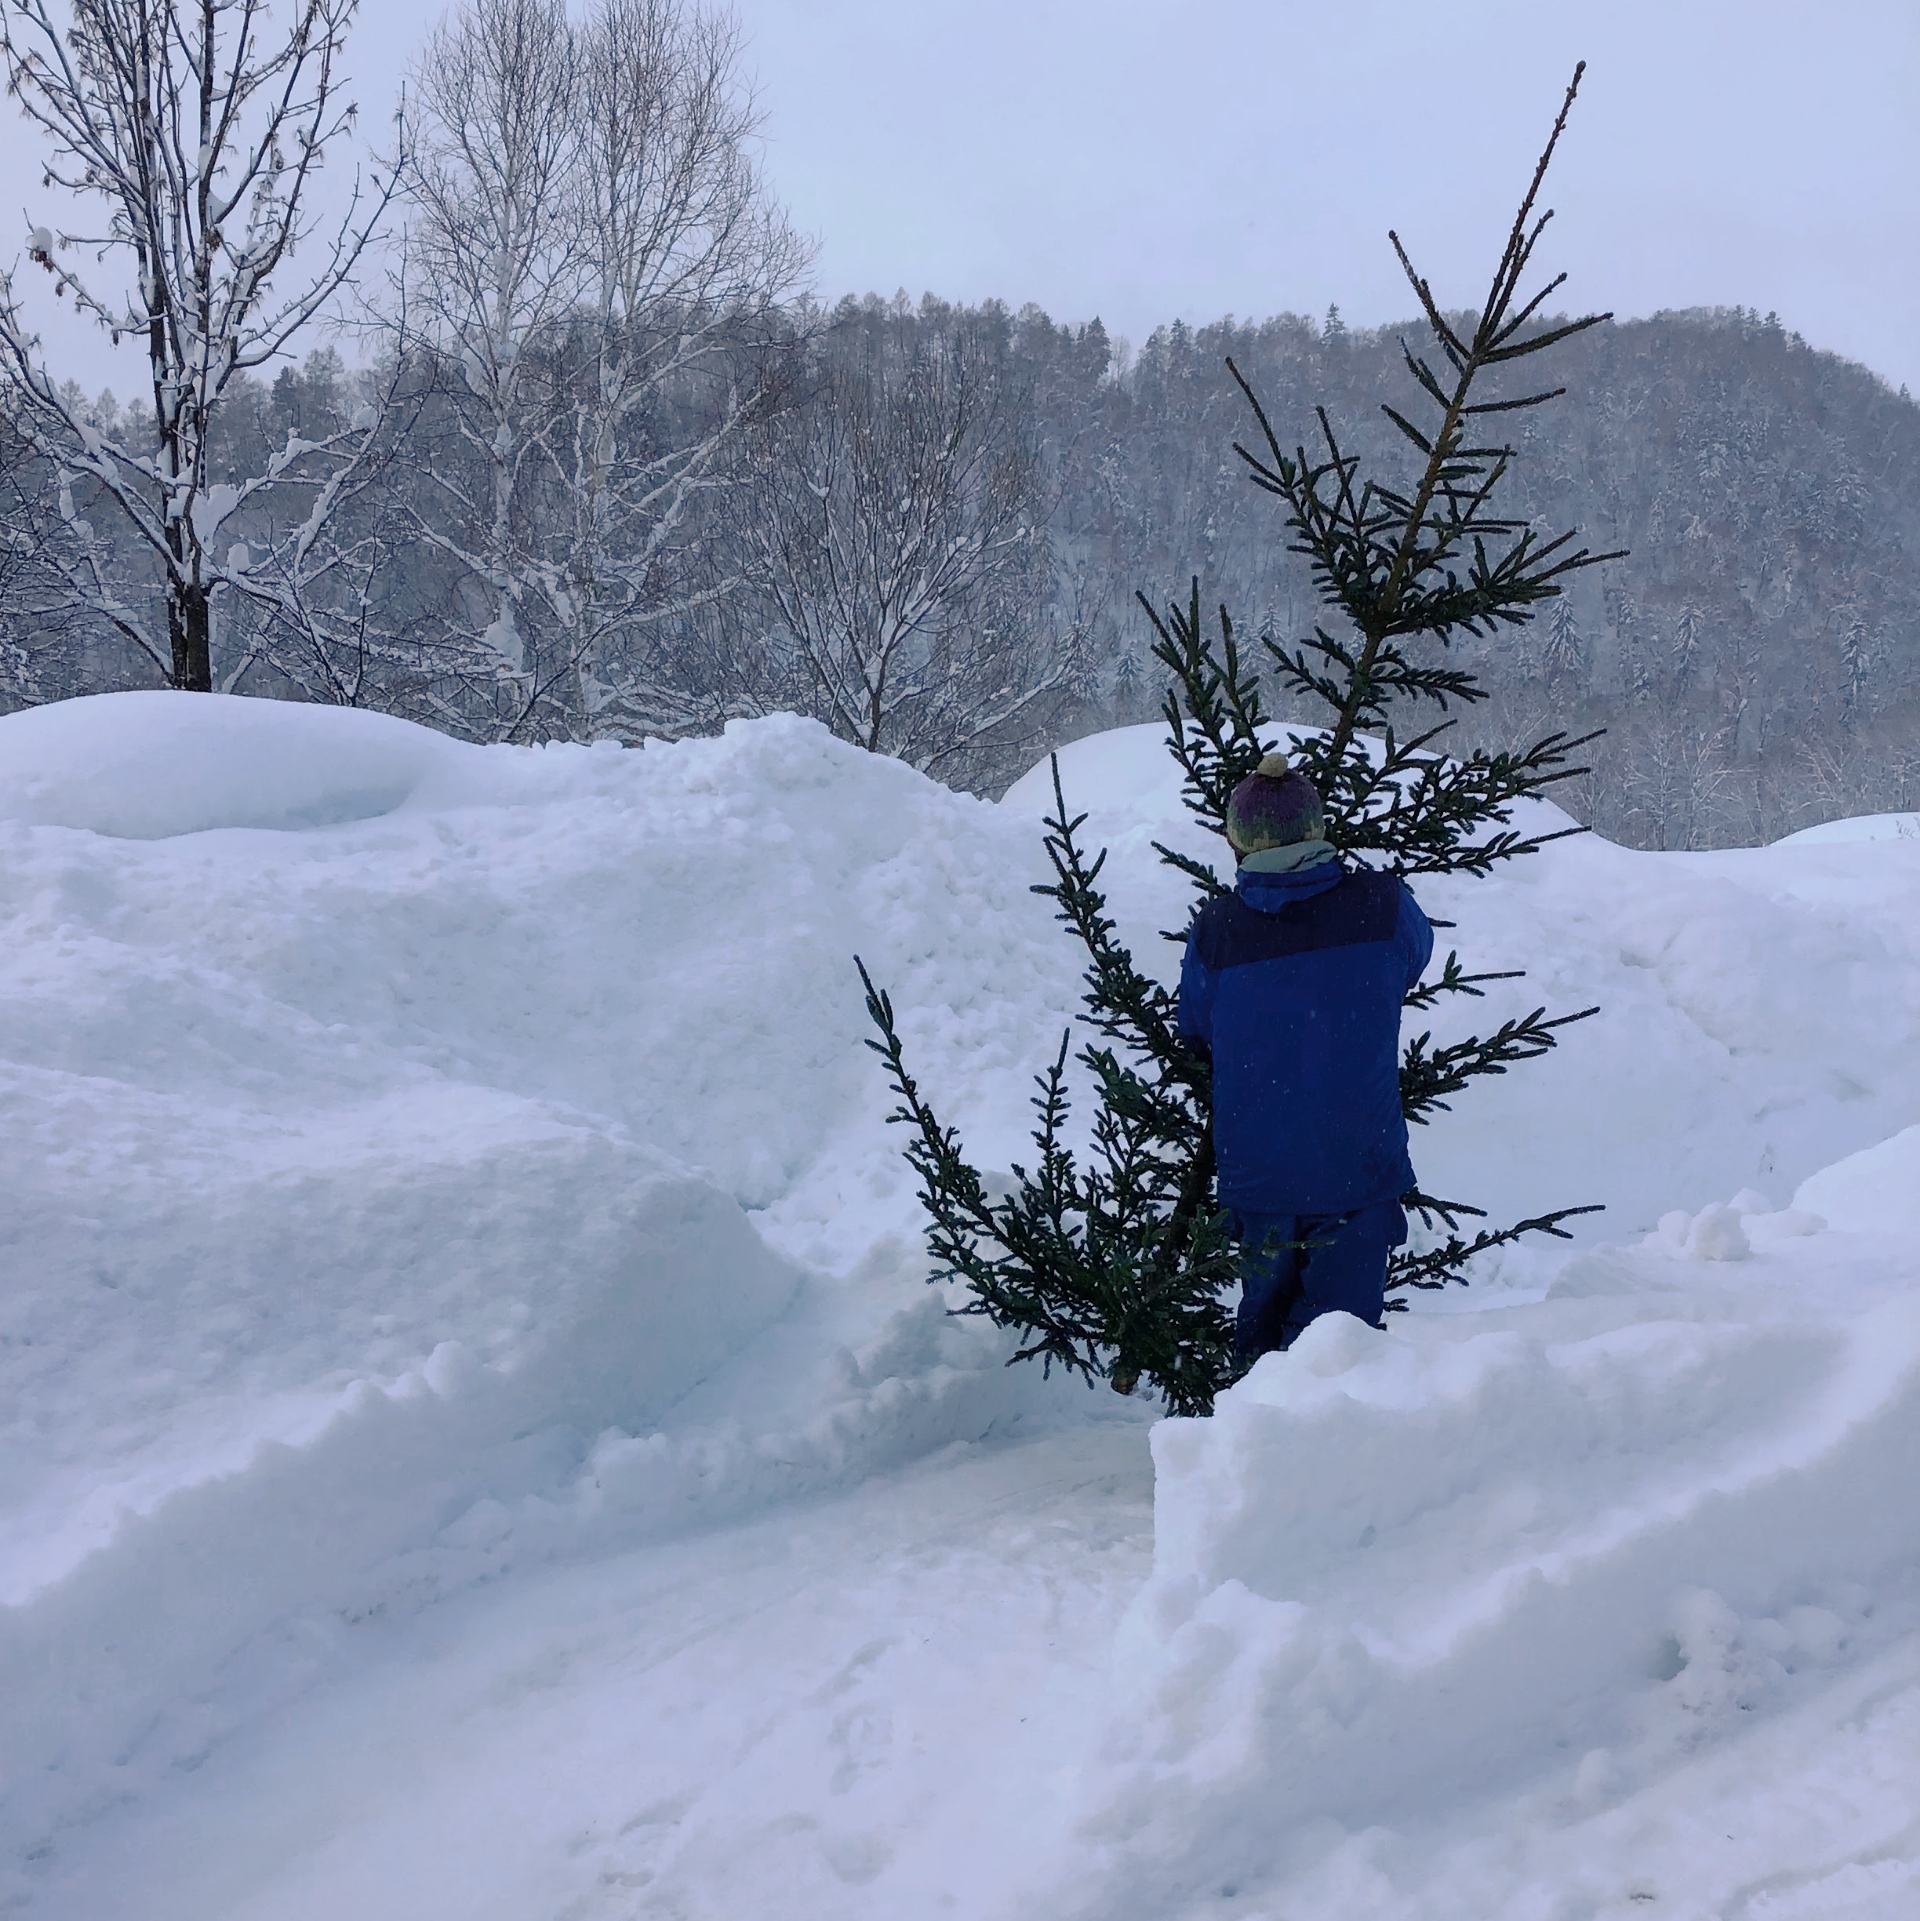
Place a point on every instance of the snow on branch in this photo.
(193, 135)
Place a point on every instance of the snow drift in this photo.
(1545, 1552)
(1760, 1007)
(381, 1113)
(460, 1320)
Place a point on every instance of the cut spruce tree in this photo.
(1115, 1261)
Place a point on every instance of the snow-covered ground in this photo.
(474, 1441)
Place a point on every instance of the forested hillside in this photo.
(1755, 658)
(926, 524)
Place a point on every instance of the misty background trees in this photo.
(1756, 656)
(590, 461)
(890, 537)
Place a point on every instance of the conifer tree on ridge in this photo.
(1116, 1268)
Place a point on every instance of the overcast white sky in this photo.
(1143, 162)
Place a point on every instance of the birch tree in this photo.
(186, 137)
(592, 256)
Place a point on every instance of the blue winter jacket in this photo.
(1294, 983)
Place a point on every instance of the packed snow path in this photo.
(473, 1440)
(823, 1712)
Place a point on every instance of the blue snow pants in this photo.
(1285, 1284)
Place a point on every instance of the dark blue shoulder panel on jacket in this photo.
(1364, 907)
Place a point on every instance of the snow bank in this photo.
(380, 1496)
(144, 766)
(1876, 1191)
(432, 1170)
(1539, 1554)
(573, 1278)
(380, 1114)
(1832, 833)
(1760, 1007)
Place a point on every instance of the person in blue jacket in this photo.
(1292, 985)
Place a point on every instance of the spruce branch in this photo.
(1446, 1262)
(1113, 1270)
(1213, 710)
(1428, 1074)
(1455, 980)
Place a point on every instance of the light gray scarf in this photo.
(1289, 859)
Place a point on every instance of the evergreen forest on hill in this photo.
(1756, 657)
(929, 524)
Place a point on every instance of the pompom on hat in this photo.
(1273, 807)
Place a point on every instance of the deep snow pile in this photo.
(379, 1113)
(1507, 1573)
(1760, 1006)
(439, 1177)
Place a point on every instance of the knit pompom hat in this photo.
(1273, 807)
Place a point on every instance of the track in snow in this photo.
(855, 1708)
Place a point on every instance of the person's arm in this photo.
(1414, 933)
(1197, 981)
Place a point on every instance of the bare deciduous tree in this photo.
(326, 598)
(896, 541)
(41, 643)
(196, 133)
(1677, 779)
(592, 248)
